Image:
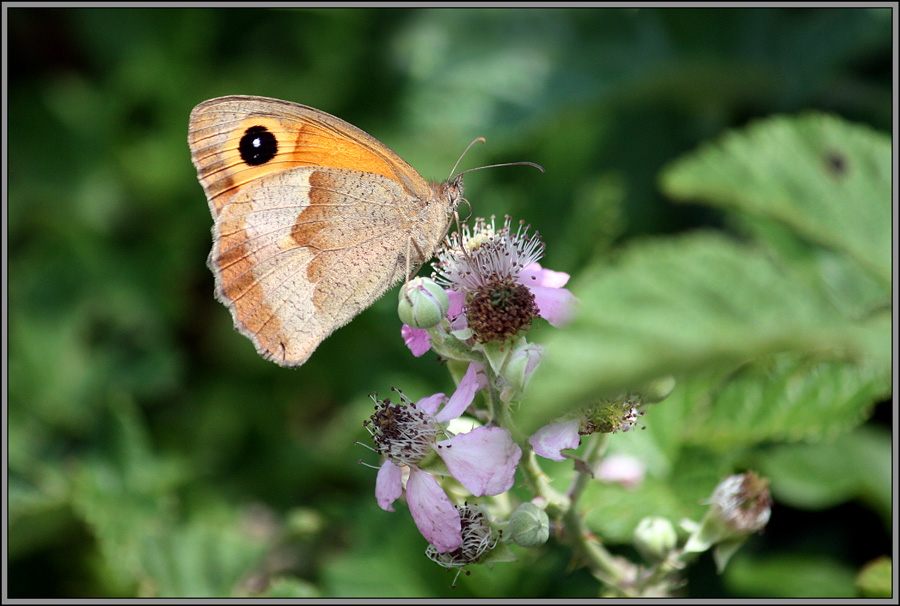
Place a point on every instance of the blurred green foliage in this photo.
(152, 452)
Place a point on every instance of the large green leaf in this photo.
(815, 286)
(683, 307)
(825, 178)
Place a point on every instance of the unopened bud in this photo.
(655, 538)
(529, 525)
(739, 506)
(522, 363)
(422, 303)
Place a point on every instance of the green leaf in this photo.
(827, 473)
(875, 579)
(788, 576)
(828, 180)
(207, 557)
(815, 191)
(686, 306)
(784, 397)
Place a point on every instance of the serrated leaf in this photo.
(786, 397)
(854, 292)
(828, 180)
(683, 306)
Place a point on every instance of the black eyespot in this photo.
(258, 146)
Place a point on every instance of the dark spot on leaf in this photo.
(836, 163)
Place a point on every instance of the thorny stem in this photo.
(596, 444)
(609, 569)
(539, 484)
(537, 480)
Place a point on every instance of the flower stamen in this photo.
(403, 433)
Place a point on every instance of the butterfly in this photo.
(314, 219)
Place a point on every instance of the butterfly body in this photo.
(313, 219)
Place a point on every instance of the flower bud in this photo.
(422, 303)
(739, 506)
(522, 363)
(655, 538)
(529, 525)
(742, 502)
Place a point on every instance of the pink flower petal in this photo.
(462, 397)
(430, 404)
(550, 439)
(457, 302)
(417, 339)
(458, 320)
(388, 487)
(483, 460)
(434, 514)
(533, 275)
(554, 304)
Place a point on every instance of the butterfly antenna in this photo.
(537, 166)
(479, 139)
(482, 140)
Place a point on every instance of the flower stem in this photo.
(596, 444)
(612, 570)
(499, 409)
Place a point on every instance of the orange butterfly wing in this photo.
(303, 136)
(314, 218)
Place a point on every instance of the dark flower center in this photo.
(499, 309)
(402, 432)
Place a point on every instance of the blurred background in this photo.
(153, 452)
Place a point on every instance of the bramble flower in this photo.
(483, 460)
(609, 416)
(478, 538)
(495, 285)
(739, 506)
(742, 502)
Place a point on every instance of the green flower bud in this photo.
(529, 525)
(422, 303)
(522, 363)
(655, 538)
